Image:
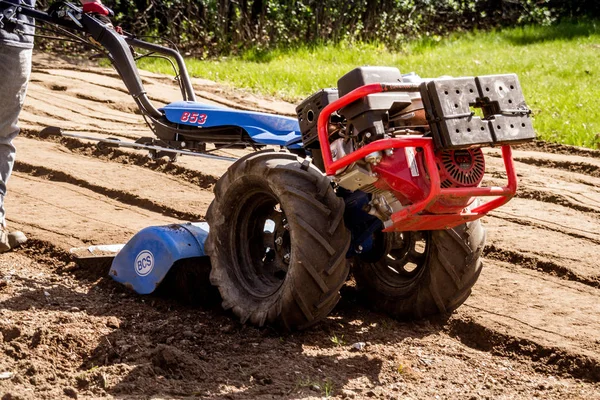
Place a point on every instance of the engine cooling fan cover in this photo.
(461, 168)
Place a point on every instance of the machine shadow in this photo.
(179, 342)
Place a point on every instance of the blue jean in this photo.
(15, 67)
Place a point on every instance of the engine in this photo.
(393, 178)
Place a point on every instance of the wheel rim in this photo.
(263, 241)
(404, 258)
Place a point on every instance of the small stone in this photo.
(3, 283)
(74, 309)
(348, 394)
(46, 294)
(6, 375)
(113, 322)
(10, 334)
(70, 392)
(227, 329)
(359, 346)
(315, 388)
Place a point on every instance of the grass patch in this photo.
(558, 67)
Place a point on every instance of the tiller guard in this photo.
(145, 260)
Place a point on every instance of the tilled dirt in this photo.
(530, 329)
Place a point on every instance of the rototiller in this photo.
(382, 173)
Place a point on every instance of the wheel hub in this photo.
(404, 257)
(264, 239)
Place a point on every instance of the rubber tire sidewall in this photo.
(319, 241)
(452, 268)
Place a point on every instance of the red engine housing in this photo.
(404, 174)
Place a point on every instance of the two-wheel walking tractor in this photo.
(382, 175)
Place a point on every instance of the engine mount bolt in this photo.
(183, 144)
(286, 258)
(279, 241)
(374, 158)
(389, 152)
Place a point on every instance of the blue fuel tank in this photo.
(263, 128)
(145, 260)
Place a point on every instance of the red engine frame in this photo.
(415, 217)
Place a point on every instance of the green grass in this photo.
(558, 66)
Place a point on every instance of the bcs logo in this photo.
(144, 263)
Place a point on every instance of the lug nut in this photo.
(279, 241)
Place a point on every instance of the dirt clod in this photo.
(10, 333)
(113, 322)
(70, 392)
(170, 357)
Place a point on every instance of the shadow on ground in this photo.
(162, 346)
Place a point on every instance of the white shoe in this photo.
(11, 240)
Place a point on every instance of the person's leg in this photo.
(15, 67)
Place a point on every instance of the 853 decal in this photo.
(193, 118)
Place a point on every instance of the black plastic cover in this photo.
(308, 113)
(367, 114)
(365, 75)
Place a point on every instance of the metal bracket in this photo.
(155, 151)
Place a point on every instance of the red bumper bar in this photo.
(410, 217)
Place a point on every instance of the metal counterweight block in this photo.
(450, 102)
(508, 114)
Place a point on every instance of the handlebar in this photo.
(118, 50)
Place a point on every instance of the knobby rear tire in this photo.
(276, 195)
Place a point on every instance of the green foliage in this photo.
(325, 387)
(557, 66)
(216, 27)
(338, 341)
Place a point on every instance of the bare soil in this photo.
(531, 328)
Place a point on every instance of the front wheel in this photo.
(277, 241)
(418, 274)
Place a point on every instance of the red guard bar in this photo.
(504, 193)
